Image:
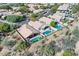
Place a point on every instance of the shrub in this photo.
(9, 43)
(24, 9)
(4, 27)
(47, 50)
(33, 16)
(75, 8)
(21, 46)
(54, 8)
(5, 7)
(75, 32)
(53, 24)
(69, 53)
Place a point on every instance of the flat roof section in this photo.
(36, 24)
(24, 31)
(58, 16)
(45, 20)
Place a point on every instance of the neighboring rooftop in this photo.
(45, 20)
(63, 7)
(58, 16)
(37, 11)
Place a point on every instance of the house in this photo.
(24, 31)
(28, 34)
(44, 29)
(63, 8)
(18, 13)
(37, 11)
(36, 24)
(58, 16)
(45, 20)
(31, 7)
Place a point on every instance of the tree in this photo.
(5, 7)
(75, 8)
(33, 16)
(14, 18)
(24, 9)
(54, 8)
(53, 23)
(69, 53)
(4, 27)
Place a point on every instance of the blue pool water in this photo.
(58, 27)
(48, 32)
(39, 37)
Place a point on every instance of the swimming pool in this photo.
(58, 27)
(48, 32)
(39, 37)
